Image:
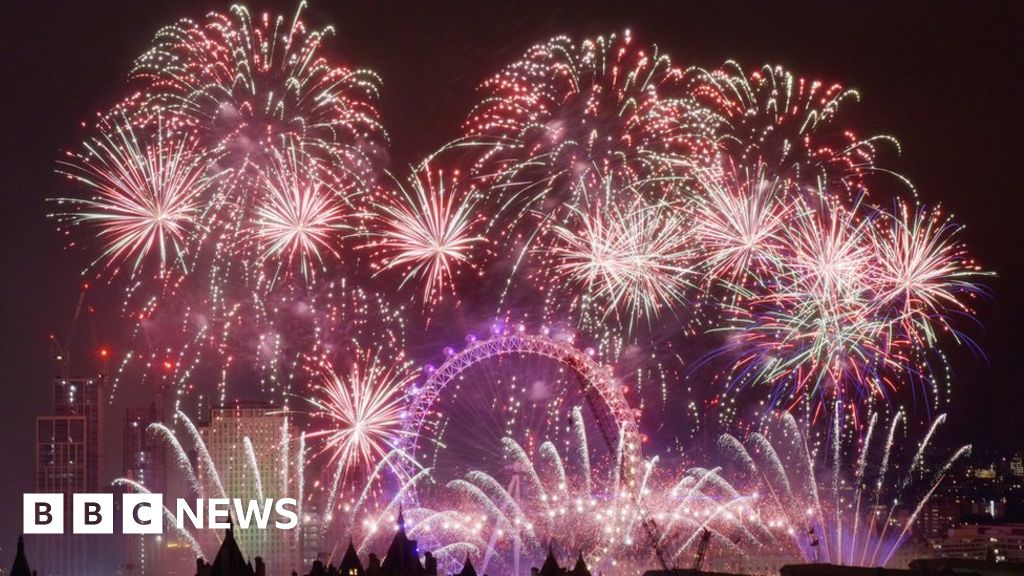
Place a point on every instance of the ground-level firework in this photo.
(828, 507)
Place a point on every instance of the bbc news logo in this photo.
(143, 513)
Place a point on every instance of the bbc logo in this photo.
(92, 514)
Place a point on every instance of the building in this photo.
(550, 567)
(20, 566)
(230, 561)
(834, 570)
(403, 556)
(69, 459)
(311, 530)
(84, 397)
(239, 436)
(950, 566)
(939, 515)
(144, 461)
(1017, 465)
(997, 543)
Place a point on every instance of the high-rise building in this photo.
(84, 397)
(69, 458)
(254, 447)
(144, 462)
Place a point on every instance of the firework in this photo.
(250, 84)
(429, 232)
(790, 123)
(301, 214)
(739, 223)
(603, 106)
(241, 164)
(632, 260)
(359, 412)
(148, 190)
(828, 512)
(596, 188)
(850, 311)
(923, 271)
(546, 498)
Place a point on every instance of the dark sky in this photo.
(945, 78)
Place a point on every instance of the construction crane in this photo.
(702, 550)
(651, 530)
(609, 430)
(61, 353)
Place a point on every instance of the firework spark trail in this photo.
(378, 471)
(395, 502)
(831, 520)
(960, 453)
(858, 476)
(168, 516)
(549, 454)
(253, 465)
(918, 459)
(206, 466)
(494, 490)
(581, 442)
(180, 456)
(480, 497)
(883, 469)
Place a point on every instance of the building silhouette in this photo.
(20, 566)
(402, 559)
(230, 561)
(403, 556)
(550, 567)
(467, 568)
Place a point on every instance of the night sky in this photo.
(944, 78)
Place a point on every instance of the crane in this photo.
(702, 550)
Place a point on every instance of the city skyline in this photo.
(478, 262)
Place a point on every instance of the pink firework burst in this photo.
(429, 230)
(148, 187)
(359, 409)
